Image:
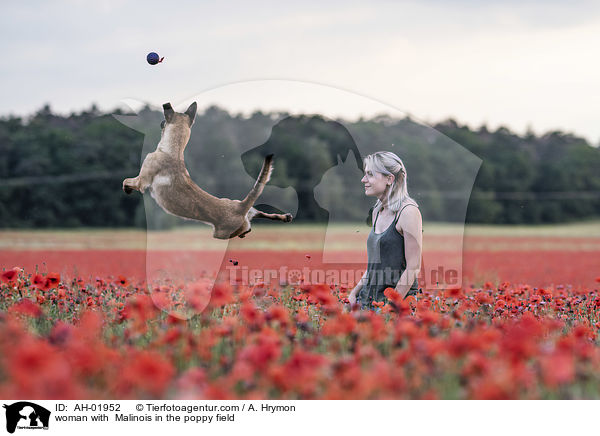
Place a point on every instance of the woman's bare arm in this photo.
(411, 224)
(362, 281)
(359, 285)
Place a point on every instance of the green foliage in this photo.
(67, 171)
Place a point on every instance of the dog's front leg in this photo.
(138, 183)
(144, 179)
(131, 184)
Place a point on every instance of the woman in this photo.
(395, 242)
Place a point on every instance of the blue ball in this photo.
(152, 58)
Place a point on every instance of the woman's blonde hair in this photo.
(388, 163)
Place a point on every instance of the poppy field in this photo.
(77, 321)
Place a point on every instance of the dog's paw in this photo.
(288, 217)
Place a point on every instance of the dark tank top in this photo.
(386, 263)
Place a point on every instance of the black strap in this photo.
(409, 204)
(376, 216)
(397, 216)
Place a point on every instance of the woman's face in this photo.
(375, 183)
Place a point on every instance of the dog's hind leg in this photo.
(222, 234)
(255, 213)
(243, 234)
(242, 230)
(225, 232)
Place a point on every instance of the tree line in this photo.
(66, 170)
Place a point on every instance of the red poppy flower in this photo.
(221, 295)
(34, 361)
(278, 312)
(392, 295)
(10, 275)
(197, 294)
(26, 307)
(265, 349)
(483, 298)
(149, 371)
(251, 314)
(40, 282)
(301, 371)
(341, 324)
(53, 280)
(558, 368)
(122, 281)
(453, 293)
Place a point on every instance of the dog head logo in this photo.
(26, 415)
(227, 153)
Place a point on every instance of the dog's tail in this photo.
(263, 178)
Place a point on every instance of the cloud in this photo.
(514, 62)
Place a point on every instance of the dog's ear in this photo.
(347, 156)
(191, 112)
(341, 159)
(169, 112)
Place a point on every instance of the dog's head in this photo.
(178, 124)
(306, 147)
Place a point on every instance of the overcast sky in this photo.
(513, 63)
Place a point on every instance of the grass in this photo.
(347, 236)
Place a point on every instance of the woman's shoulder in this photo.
(410, 217)
(409, 202)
